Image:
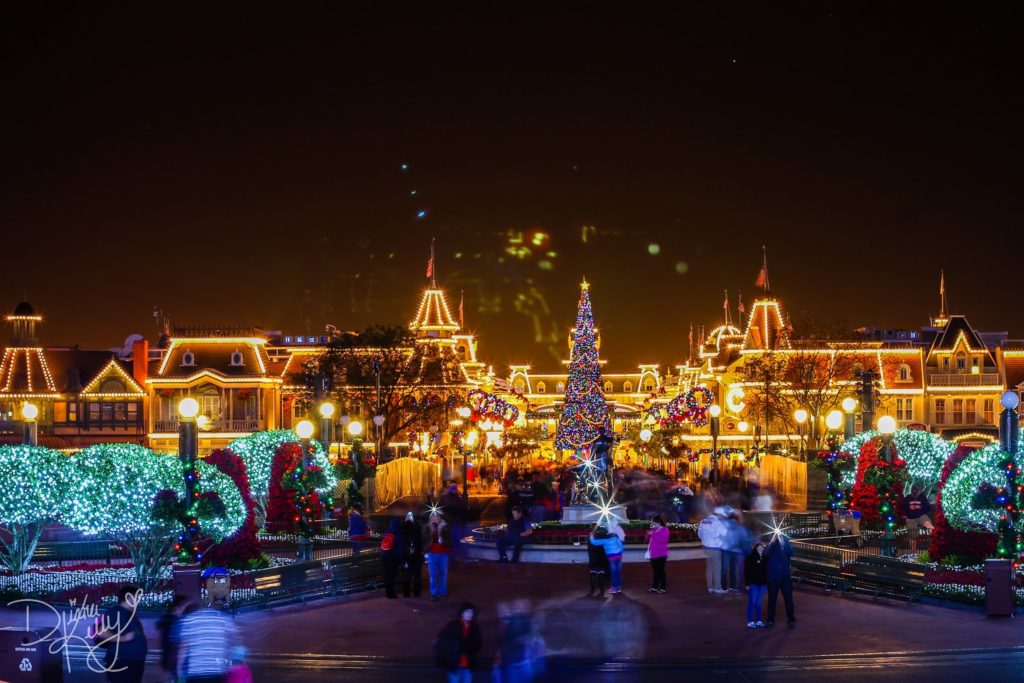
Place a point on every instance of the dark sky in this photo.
(245, 168)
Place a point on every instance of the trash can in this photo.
(218, 586)
(999, 593)
(188, 581)
(23, 659)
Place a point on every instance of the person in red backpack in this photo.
(391, 557)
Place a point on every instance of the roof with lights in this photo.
(766, 329)
(434, 314)
(234, 357)
(955, 330)
(24, 373)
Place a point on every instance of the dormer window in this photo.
(608, 388)
(627, 387)
(961, 361)
(541, 387)
(188, 358)
(236, 359)
(904, 373)
(519, 386)
(649, 387)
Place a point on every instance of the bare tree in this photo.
(817, 380)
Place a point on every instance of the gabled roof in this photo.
(113, 370)
(214, 355)
(24, 372)
(73, 369)
(1013, 367)
(433, 314)
(951, 333)
(766, 329)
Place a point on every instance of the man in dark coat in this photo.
(780, 578)
(412, 568)
(457, 645)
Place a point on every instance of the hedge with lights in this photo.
(257, 451)
(948, 540)
(924, 453)
(125, 490)
(34, 481)
(242, 547)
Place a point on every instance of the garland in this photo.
(834, 462)
(487, 406)
(689, 407)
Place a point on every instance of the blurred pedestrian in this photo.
(391, 557)
(735, 547)
(239, 671)
(357, 531)
(457, 645)
(755, 575)
(712, 531)
(613, 548)
(121, 634)
(207, 638)
(169, 626)
(520, 656)
(516, 532)
(412, 562)
(598, 561)
(438, 543)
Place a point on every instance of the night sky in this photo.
(240, 168)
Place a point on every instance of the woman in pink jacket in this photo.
(657, 553)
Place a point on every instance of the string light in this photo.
(585, 411)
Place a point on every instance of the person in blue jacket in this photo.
(780, 578)
(613, 548)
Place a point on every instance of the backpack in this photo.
(388, 541)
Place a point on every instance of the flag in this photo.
(462, 298)
(725, 304)
(762, 277)
(430, 264)
(741, 307)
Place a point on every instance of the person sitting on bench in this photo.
(515, 533)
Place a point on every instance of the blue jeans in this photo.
(460, 676)
(755, 596)
(437, 563)
(517, 547)
(732, 569)
(616, 567)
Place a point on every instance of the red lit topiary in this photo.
(243, 546)
(873, 471)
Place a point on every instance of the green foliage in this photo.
(924, 453)
(978, 471)
(35, 482)
(257, 451)
(923, 558)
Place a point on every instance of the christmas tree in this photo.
(585, 411)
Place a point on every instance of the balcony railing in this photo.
(162, 426)
(964, 379)
(216, 425)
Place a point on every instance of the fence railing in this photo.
(954, 379)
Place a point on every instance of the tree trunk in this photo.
(16, 554)
(151, 553)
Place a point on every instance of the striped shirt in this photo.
(206, 639)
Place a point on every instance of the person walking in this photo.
(735, 547)
(457, 645)
(438, 543)
(780, 578)
(613, 547)
(391, 557)
(711, 531)
(755, 575)
(412, 567)
(239, 671)
(516, 531)
(169, 626)
(123, 638)
(207, 639)
(357, 531)
(657, 553)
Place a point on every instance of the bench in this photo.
(281, 585)
(818, 566)
(884, 576)
(354, 573)
(78, 551)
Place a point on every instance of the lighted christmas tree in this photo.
(585, 411)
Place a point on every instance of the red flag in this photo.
(462, 298)
(762, 277)
(430, 266)
(741, 307)
(725, 304)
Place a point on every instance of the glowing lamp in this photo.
(849, 404)
(646, 434)
(188, 408)
(715, 410)
(800, 415)
(378, 420)
(202, 422)
(464, 411)
(887, 425)
(29, 411)
(345, 419)
(743, 426)
(327, 410)
(472, 437)
(304, 429)
(355, 427)
(834, 420)
(1009, 400)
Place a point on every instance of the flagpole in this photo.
(764, 264)
(433, 266)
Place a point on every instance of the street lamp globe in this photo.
(304, 429)
(800, 415)
(887, 425)
(327, 410)
(471, 437)
(355, 427)
(463, 412)
(646, 434)
(29, 411)
(202, 421)
(1010, 400)
(715, 410)
(743, 426)
(378, 420)
(834, 420)
(188, 408)
(849, 404)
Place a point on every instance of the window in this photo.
(975, 361)
(971, 411)
(73, 411)
(112, 386)
(945, 363)
(60, 412)
(988, 410)
(133, 412)
(905, 409)
(958, 411)
(519, 385)
(961, 361)
(608, 388)
(236, 359)
(541, 387)
(209, 406)
(627, 387)
(188, 358)
(649, 386)
(94, 412)
(940, 411)
(904, 373)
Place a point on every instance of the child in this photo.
(239, 671)
(756, 577)
(598, 561)
(613, 547)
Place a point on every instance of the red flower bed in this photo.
(963, 577)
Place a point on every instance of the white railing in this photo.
(964, 379)
(165, 426)
(239, 425)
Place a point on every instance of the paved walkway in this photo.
(685, 624)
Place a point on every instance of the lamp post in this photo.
(834, 420)
(30, 427)
(645, 435)
(355, 430)
(849, 406)
(800, 415)
(378, 422)
(188, 449)
(304, 430)
(326, 425)
(1009, 429)
(715, 411)
(887, 427)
